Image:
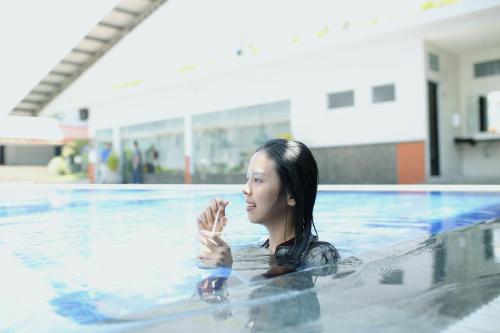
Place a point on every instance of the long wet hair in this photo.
(298, 173)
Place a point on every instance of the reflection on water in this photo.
(440, 281)
(300, 307)
(422, 286)
(287, 299)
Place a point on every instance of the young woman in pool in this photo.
(280, 192)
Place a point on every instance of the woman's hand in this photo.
(206, 219)
(220, 252)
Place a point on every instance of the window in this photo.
(341, 99)
(487, 68)
(223, 141)
(434, 62)
(385, 93)
(161, 142)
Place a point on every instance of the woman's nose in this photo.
(246, 189)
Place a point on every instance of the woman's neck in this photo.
(280, 233)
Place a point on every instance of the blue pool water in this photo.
(75, 259)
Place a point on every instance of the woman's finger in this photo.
(212, 237)
(222, 204)
(218, 241)
(214, 207)
(223, 221)
(209, 215)
(208, 242)
(204, 218)
(220, 226)
(202, 224)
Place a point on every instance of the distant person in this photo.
(280, 194)
(103, 162)
(151, 159)
(156, 156)
(136, 165)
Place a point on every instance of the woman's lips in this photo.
(250, 206)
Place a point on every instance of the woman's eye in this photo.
(257, 180)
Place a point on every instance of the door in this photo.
(483, 114)
(432, 93)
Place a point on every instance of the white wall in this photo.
(359, 68)
(305, 80)
(28, 155)
(484, 158)
(448, 105)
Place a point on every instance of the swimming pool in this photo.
(89, 259)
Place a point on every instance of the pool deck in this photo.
(427, 285)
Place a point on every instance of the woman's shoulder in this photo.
(320, 253)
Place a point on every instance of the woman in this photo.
(280, 192)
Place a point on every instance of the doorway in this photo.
(483, 114)
(432, 93)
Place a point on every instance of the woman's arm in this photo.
(220, 252)
(210, 224)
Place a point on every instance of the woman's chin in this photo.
(252, 218)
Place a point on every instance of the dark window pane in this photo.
(434, 62)
(384, 93)
(487, 68)
(341, 99)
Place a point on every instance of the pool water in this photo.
(70, 258)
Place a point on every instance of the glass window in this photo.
(103, 137)
(487, 68)
(224, 141)
(161, 144)
(434, 62)
(385, 93)
(341, 99)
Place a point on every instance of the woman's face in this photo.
(261, 191)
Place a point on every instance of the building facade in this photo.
(409, 100)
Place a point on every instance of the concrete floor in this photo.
(32, 174)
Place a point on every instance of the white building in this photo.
(402, 93)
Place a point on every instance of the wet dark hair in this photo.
(298, 173)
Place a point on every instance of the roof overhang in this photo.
(55, 63)
(33, 130)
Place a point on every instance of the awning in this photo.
(30, 130)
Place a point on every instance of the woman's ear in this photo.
(290, 201)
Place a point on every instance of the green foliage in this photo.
(113, 162)
(237, 168)
(68, 150)
(74, 148)
(167, 171)
(58, 166)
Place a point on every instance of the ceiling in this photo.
(473, 32)
(122, 19)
